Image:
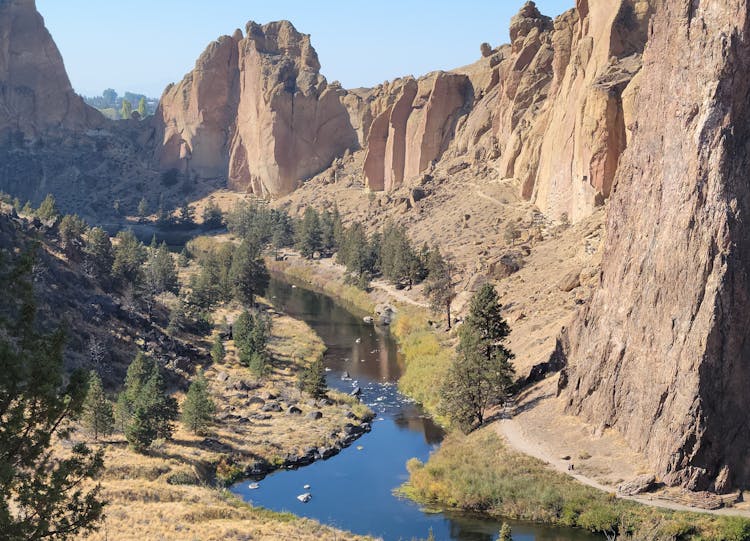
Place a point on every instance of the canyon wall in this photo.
(255, 110)
(35, 92)
(661, 351)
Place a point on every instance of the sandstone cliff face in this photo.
(35, 92)
(661, 352)
(257, 111)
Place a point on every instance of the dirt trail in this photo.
(514, 435)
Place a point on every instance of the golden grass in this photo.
(480, 473)
(321, 279)
(168, 493)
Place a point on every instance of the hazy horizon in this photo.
(149, 46)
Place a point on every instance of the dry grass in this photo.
(168, 493)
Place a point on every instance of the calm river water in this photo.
(354, 489)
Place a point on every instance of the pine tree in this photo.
(481, 373)
(129, 256)
(218, 353)
(312, 379)
(42, 494)
(99, 252)
(147, 409)
(48, 209)
(98, 415)
(71, 231)
(142, 208)
(309, 234)
(251, 333)
(198, 409)
(249, 276)
(160, 272)
(439, 287)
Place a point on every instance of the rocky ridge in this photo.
(255, 110)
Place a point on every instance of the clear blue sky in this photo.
(142, 45)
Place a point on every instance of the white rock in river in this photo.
(304, 498)
(306, 487)
(253, 486)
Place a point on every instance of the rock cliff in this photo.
(256, 110)
(35, 92)
(661, 351)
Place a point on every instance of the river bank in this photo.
(175, 490)
(480, 473)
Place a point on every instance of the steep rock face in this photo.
(553, 105)
(415, 129)
(35, 92)
(197, 116)
(257, 110)
(661, 352)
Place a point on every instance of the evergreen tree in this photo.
(309, 234)
(251, 334)
(42, 494)
(129, 256)
(142, 208)
(327, 234)
(338, 228)
(198, 409)
(312, 379)
(99, 252)
(183, 259)
(213, 218)
(144, 407)
(160, 273)
(482, 373)
(218, 353)
(71, 231)
(98, 415)
(485, 316)
(249, 275)
(48, 209)
(142, 107)
(439, 287)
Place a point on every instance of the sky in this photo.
(143, 45)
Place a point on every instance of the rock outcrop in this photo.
(35, 92)
(552, 107)
(257, 110)
(414, 131)
(661, 351)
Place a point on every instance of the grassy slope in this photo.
(168, 493)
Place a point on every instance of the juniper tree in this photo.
(129, 256)
(99, 253)
(47, 209)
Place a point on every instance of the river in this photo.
(354, 489)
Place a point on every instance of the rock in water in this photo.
(253, 486)
(304, 498)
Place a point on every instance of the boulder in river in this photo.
(304, 498)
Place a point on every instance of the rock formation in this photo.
(661, 351)
(35, 92)
(552, 106)
(412, 133)
(257, 110)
